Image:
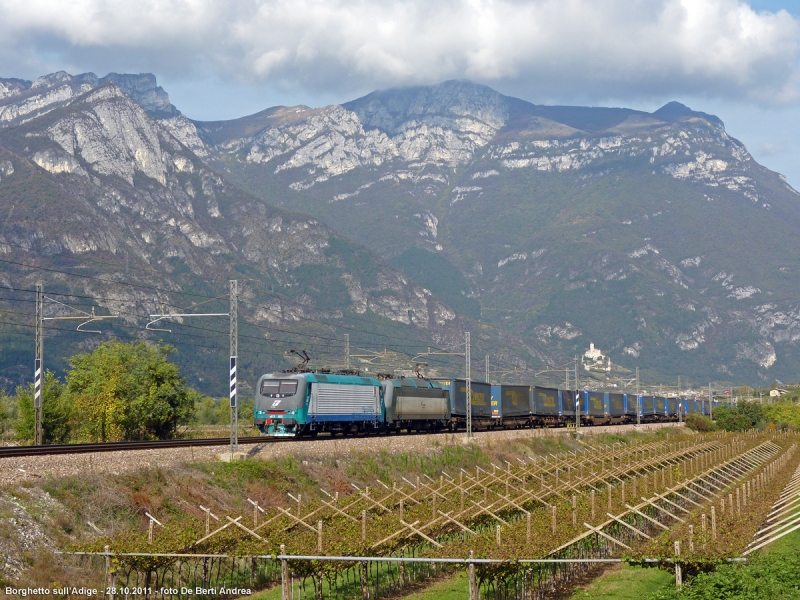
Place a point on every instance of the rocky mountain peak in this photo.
(20, 99)
(52, 79)
(389, 110)
(143, 88)
(675, 111)
(12, 87)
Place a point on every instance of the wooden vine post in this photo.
(574, 511)
(713, 523)
(363, 526)
(528, 519)
(284, 574)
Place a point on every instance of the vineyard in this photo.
(529, 527)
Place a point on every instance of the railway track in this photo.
(54, 449)
(9, 451)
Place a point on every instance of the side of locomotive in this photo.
(289, 404)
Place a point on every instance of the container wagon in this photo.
(648, 408)
(672, 409)
(660, 408)
(595, 403)
(615, 408)
(568, 404)
(481, 403)
(632, 408)
(415, 404)
(546, 404)
(514, 406)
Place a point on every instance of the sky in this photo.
(738, 59)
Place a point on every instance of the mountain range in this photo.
(415, 213)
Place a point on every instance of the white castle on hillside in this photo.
(594, 360)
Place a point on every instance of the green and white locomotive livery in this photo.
(295, 404)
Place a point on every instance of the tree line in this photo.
(746, 415)
(120, 391)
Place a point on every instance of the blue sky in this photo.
(737, 59)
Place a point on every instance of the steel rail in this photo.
(11, 451)
(52, 449)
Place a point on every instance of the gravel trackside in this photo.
(19, 469)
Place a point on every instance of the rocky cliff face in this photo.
(645, 233)
(94, 181)
(22, 100)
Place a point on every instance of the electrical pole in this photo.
(487, 369)
(710, 403)
(37, 371)
(469, 390)
(638, 411)
(678, 400)
(347, 351)
(234, 339)
(233, 315)
(577, 397)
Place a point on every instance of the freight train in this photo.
(306, 404)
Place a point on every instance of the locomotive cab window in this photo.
(278, 388)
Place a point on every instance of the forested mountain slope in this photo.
(654, 235)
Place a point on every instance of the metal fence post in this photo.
(284, 574)
(473, 582)
(107, 578)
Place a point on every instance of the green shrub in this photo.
(743, 416)
(772, 576)
(128, 392)
(698, 422)
(783, 412)
(57, 411)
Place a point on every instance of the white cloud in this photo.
(719, 48)
(771, 148)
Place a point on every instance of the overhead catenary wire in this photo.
(325, 349)
(167, 291)
(258, 325)
(183, 344)
(126, 300)
(394, 337)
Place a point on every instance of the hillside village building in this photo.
(594, 360)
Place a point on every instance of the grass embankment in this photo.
(625, 582)
(448, 588)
